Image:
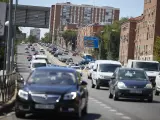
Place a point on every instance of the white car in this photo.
(40, 57)
(157, 87)
(37, 63)
(78, 69)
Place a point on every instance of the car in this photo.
(130, 83)
(26, 51)
(90, 70)
(69, 61)
(41, 57)
(29, 57)
(52, 89)
(157, 87)
(37, 63)
(77, 68)
(35, 53)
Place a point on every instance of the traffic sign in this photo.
(91, 42)
(3, 7)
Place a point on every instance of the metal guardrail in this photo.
(8, 86)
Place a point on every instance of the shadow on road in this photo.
(137, 100)
(90, 116)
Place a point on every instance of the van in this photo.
(103, 71)
(151, 68)
(40, 57)
(37, 63)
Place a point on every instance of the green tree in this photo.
(46, 38)
(156, 49)
(7, 1)
(70, 36)
(32, 39)
(110, 39)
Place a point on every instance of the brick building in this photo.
(127, 39)
(147, 29)
(88, 30)
(64, 13)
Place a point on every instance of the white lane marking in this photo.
(112, 110)
(99, 102)
(126, 118)
(118, 113)
(107, 107)
(103, 105)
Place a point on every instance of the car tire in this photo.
(85, 110)
(20, 114)
(93, 86)
(150, 99)
(115, 97)
(156, 92)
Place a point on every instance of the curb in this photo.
(9, 104)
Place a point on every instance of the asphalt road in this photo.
(100, 106)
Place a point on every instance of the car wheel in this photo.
(115, 97)
(20, 114)
(85, 110)
(150, 99)
(156, 92)
(110, 94)
(93, 86)
(79, 114)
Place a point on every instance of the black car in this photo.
(52, 90)
(130, 83)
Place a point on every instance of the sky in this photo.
(128, 8)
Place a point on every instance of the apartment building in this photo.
(68, 13)
(147, 30)
(35, 32)
(127, 38)
(88, 30)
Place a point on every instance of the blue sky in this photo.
(127, 7)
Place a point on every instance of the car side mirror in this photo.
(83, 83)
(113, 77)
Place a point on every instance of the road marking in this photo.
(98, 102)
(103, 105)
(112, 110)
(107, 107)
(118, 113)
(126, 118)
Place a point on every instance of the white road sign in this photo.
(3, 7)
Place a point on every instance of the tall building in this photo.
(64, 13)
(147, 30)
(35, 32)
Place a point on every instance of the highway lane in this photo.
(101, 107)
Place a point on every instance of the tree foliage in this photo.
(31, 39)
(156, 49)
(69, 36)
(110, 39)
(46, 38)
(7, 1)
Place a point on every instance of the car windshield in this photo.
(125, 74)
(51, 77)
(76, 67)
(35, 65)
(108, 67)
(148, 66)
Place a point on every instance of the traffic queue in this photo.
(60, 89)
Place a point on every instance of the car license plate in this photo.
(136, 91)
(41, 106)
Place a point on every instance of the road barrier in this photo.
(8, 87)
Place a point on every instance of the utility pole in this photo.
(9, 37)
(14, 37)
(54, 22)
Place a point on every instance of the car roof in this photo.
(55, 68)
(39, 61)
(108, 62)
(39, 56)
(124, 68)
(143, 61)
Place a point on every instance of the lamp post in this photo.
(14, 37)
(9, 37)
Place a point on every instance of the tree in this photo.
(32, 39)
(46, 38)
(110, 39)
(70, 36)
(156, 49)
(7, 1)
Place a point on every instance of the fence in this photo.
(8, 86)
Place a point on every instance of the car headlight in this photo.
(121, 85)
(101, 77)
(70, 96)
(148, 86)
(23, 94)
